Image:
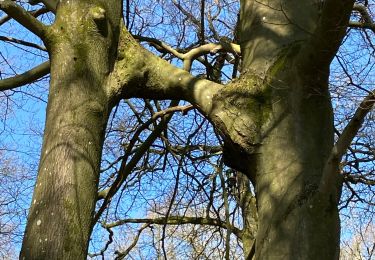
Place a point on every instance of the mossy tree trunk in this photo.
(82, 47)
(276, 120)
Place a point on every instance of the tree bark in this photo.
(82, 46)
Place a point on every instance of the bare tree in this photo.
(275, 123)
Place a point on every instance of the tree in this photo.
(276, 120)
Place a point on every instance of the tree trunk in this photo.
(82, 44)
(278, 118)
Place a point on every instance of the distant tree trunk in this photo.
(82, 46)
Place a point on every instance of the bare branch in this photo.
(50, 4)
(121, 255)
(126, 167)
(163, 80)
(344, 141)
(35, 13)
(329, 33)
(22, 42)
(367, 23)
(25, 78)
(24, 18)
(190, 56)
(179, 220)
(354, 125)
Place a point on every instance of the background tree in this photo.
(279, 109)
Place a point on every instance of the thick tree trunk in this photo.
(295, 220)
(81, 48)
(278, 118)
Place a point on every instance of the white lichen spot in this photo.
(34, 202)
(90, 143)
(179, 79)
(263, 18)
(208, 97)
(40, 240)
(52, 213)
(50, 173)
(38, 222)
(46, 239)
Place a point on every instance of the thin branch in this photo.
(26, 77)
(107, 244)
(121, 255)
(22, 42)
(24, 18)
(190, 56)
(179, 220)
(127, 167)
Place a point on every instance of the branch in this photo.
(22, 42)
(50, 4)
(179, 220)
(367, 23)
(24, 18)
(26, 77)
(156, 78)
(126, 166)
(354, 125)
(190, 56)
(344, 141)
(121, 255)
(330, 31)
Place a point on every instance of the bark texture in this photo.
(276, 122)
(82, 46)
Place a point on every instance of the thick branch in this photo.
(24, 18)
(179, 220)
(354, 125)
(50, 4)
(344, 141)
(148, 76)
(367, 23)
(329, 33)
(25, 78)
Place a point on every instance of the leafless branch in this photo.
(50, 4)
(24, 18)
(26, 77)
(179, 220)
(344, 141)
(22, 42)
